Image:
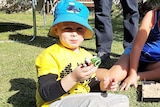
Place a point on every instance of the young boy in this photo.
(64, 77)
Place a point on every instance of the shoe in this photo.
(105, 59)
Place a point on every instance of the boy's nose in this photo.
(74, 33)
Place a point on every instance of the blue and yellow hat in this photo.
(71, 11)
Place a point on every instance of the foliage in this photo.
(15, 6)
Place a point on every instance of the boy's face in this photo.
(70, 34)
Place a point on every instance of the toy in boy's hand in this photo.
(86, 63)
(96, 61)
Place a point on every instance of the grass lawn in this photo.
(17, 69)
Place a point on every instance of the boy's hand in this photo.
(82, 73)
(130, 80)
(109, 84)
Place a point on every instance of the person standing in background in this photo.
(103, 26)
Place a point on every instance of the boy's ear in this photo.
(56, 30)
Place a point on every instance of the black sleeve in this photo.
(49, 88)
(94, 85)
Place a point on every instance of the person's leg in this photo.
(92, 100)
(103, 28)
(130, 21)
(151, 72)
(118, 70)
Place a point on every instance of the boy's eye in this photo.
(67, 29)
(80, 29)
(71, 29)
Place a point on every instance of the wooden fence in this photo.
(50, 3)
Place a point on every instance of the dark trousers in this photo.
(103, 24)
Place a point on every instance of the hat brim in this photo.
(72, 18)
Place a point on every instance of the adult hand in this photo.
(83, 73)
(130, 80)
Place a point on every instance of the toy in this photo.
(96, 61)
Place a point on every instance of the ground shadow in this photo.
(8, 26)
(39, 41)
(25, 96)
(139, 93)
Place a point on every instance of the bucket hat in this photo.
(71, 11)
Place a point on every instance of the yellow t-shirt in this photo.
(59, 60)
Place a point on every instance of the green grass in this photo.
(17, 69)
